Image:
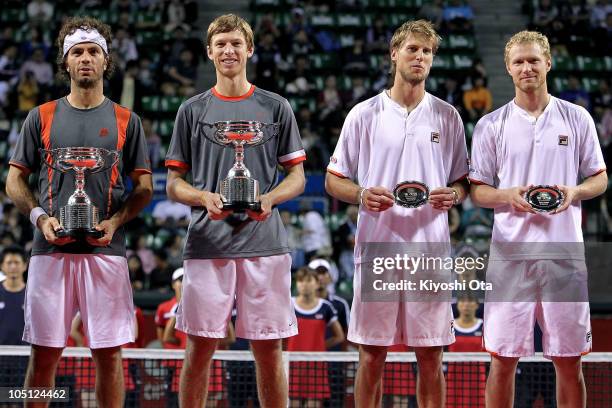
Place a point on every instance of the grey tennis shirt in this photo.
(191, 149)
(57, 124)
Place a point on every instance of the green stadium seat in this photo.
(459, 41)
(442, 62)
(590, 84)
(170, 103)
(462, 61)
(563, 63)
(323, 61)
(165, 128)
(150, 103)
(11, 15)
(149, 17)
(149, 38)
(322, 20)
(589, 64)
(297, 102)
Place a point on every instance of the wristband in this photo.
(361, 195)
(455, 196)
(35, 215)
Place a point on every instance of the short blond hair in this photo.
(528, 37)
(421, 28)
(228, 23)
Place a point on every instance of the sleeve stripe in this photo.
(335, 173)
(177, 163)
(21, 166)
(291, 156)
(142, 171)
(295, 161)
(478, 182)
(597, 172)
(464, 177)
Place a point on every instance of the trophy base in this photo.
(79, 233)
(241, 206)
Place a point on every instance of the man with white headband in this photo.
(89, 275)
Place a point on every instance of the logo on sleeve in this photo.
(452, 327)
(103, 132)
(563, 140)
(588, 337)
(435, 137)
(333, 160)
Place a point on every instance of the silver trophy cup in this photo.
(79, 217)
(239, 191)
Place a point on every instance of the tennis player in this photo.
(404, 133)
(229, 256)
(90, 277)
(535, 139)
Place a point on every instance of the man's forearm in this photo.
(486, 196)
(343, 189)
(182, 192)
(291, 186)
(136, 202)
(592, 186)
(462, 188)
(19, 192)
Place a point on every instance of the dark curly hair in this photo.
(69, 27)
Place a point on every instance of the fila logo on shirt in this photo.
(563, 140)
(435, 137)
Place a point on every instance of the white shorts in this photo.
(60, 285)
(509, 326)
(417, 324)
(261, 288)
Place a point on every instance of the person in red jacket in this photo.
(167, 309)
(466, 381)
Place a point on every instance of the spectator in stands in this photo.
(34, 41)
(175, 16)
(131, 91)
(174, 249)
(141, 249)
(314, 317)
(27, 93)
(468, 338)
(605, 128)
(315, 235)
(167, 309)
(327, 281)
(179, 42)
(171, 213)
(293, 240)
(161, 275)
(299, 80)
(184, 72)
(356, 60)
(146, 76)
(478, 101)
(458, 16)
(13, 265)
(137, 275)
(599, 13)
(125, 47)
(432, 11)
(378, 36)
(344, 242)
(154, 142)
(40, 12)
(544, 16)
(301, 44)
(42, 70)
(329, 99)
(575, 17)
(575, 93)
(266, 59)
(298, 22)
(451, 93)
(124, 6)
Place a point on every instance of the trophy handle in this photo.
(50, 160)
(232, 135)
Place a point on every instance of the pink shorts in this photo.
(60, 285)
(260, 287)
(417, 324)
(509, 326)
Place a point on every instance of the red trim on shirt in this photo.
(335, 173)
(177, 163)
(233, 98)
(146, 171)
(478, 182)
(465, 176)
(597, 172)
(122, 116)
(21, 166)
(293, 162)
(46, 112)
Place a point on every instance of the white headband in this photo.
(84, 36)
